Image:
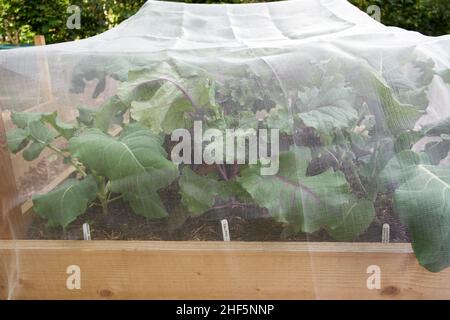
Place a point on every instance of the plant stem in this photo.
(222, 171)
(72, 162)
(115, 199)
(235, 170)
(356, 176)
(233, 204)
(103, 195)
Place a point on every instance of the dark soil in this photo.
(245, 225)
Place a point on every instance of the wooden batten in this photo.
(217, 270)
(45, 80)
(12, 224)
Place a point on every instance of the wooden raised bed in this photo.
(195, 270)
(198, 270)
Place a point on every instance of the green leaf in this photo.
(33, 151)
(355, 218)
(162, 99)
(305, 202)
(437, 150)
(143, 83)
(34, 124)
(397, 169)
(446, 76)
(110, 113)
(198, 193)
(408, 75)
(23, 119)
(327, 88)
(17, 139)
(135, 164)
(86, 116)
(406, 140)
(41, 133)
(64, 129)
(247, 120)
(165, 111)
(397, 116)
(232, 188)
(327, 120)
(64, 204)
(423, 204)
(280, 118)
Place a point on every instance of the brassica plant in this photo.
(347, 134)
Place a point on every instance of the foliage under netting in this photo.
(296, 121)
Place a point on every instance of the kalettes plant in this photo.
(343, 139)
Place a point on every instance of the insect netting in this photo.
(296, 121)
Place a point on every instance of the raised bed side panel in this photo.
(188, 270)
(12, 222)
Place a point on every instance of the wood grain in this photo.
(12, 223)
(45, 80)
(211, 270)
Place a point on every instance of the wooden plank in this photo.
(39, 40)
(211, 270)
(12, 223)
(46, 84)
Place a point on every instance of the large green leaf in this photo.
(198, 193)
(407, 74)
(135, 164)
(423, 204)
(33, 151)
(397, 116)
(143, 83)
(354, 218)
(163, 100)
(328, 88)
(66, 130)
(307, 203)
(165, 111)
(327, 120)
(110, 113)
(23, 119)
(86, 116)
(64, 204)
(17, 139)
(397, 170)
(406, 140)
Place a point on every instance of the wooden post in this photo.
(39, 40)
(12, 224)
(46, 86)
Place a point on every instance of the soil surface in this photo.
(249, 224)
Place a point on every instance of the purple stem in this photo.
(222, 171)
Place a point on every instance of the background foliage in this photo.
(430, 17)
(20, 20)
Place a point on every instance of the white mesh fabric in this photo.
(307, 58)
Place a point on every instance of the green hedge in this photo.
(20, 20)
(430, 17)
